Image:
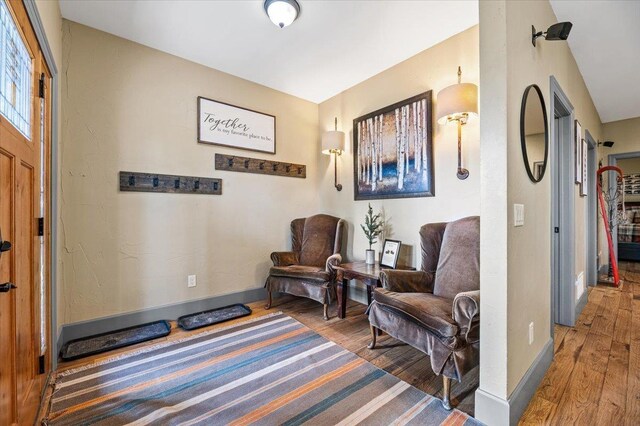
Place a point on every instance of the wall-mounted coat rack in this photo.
(234, 163)
(153, 182)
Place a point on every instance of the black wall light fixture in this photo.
(608, 144)
(559, 31)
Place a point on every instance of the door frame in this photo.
(38, 28)
(592, 212)
(561, 158)
(613, 161)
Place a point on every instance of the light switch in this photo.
(518, 215)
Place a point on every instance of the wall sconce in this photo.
(559, 31)
(456, 103)
(608, 144)
(333, 143)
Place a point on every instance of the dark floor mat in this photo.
(104, 342)
(213, 316)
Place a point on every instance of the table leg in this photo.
(343, 289)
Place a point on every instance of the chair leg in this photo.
(374, 333)
(326, 311)
(269, 300)
(446, 393)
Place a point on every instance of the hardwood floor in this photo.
(352, 333)
(595, 375)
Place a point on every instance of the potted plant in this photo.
(372, 228)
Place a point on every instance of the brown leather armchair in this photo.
(437, 309)
(306, 270)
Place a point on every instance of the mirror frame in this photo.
(523, 141)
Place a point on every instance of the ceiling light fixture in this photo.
(282, 12)
(559, 31)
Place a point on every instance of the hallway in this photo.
(595, 374)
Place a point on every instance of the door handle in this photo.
(4, 246)
(4, 288)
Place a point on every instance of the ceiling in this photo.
(332, 46)
(605, 41)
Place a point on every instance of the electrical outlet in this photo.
(518, 215)
(530, 333)
(191, 281)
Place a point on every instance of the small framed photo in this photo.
(577, 143)
(390, 252)
(538, 167)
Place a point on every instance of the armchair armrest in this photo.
(284, 258)
(466, 310)
(332, 261)
(407, 281)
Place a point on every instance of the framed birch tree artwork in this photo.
(393, 152)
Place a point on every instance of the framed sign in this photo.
(390, 252)
(236, 127)
(393, 156)
(578, 151)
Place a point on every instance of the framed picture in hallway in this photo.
(393, 152)
(578, 151)
(585, 178)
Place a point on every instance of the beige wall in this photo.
(528, 247)
(130, 107)
(630, 165)
(433, 69)
(625, 134)
(49, 12)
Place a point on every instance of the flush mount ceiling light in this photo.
(559, 31)
(282, 12)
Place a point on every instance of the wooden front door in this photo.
(24, 186)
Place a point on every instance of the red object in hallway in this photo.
(605, 218)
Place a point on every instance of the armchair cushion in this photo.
(318, 239)
(425, 309)
(459, 261)
(407, 281)
(307, 273)
(284, 258)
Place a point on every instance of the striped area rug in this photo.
(269, 370)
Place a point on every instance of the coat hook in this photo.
(132, 180)
(299, 170)
(275, 167)
(176, 183)
(246, 164)
(155, 182)
(196, 184)
(230, 160)
(262, 166)
(288, 168)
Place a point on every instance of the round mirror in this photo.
(534, 132)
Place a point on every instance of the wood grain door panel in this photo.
(7, 311)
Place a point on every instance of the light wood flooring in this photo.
(352, 333)
(595, 375)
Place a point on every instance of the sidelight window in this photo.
(15, 74)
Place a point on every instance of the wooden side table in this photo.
(368, 274)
